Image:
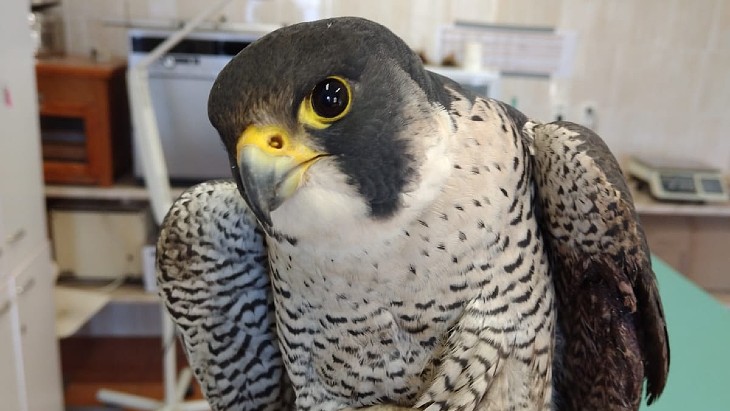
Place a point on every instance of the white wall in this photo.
(658, 70)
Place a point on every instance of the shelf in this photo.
(122, 192)
(79, 302)
(106, 308)
(122, 293)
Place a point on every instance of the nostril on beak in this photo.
(276, 142)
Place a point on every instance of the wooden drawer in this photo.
(696, 246)
(69, 89)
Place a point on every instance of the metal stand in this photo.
(174, 390)
(147, 138)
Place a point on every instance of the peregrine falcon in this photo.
(391, 240)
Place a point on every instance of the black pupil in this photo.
(330, 98)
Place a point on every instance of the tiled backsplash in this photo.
(658, 71)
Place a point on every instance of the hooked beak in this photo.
(272, 167)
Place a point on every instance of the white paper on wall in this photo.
(521, 50)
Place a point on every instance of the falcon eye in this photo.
(330, 98)
(328, 102)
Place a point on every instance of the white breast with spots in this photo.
(373, 324)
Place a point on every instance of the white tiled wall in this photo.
(658, 70)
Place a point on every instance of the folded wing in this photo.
(212, 271)
(611, 326)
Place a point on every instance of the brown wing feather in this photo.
(611, 326)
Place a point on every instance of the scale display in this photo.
(675, 181)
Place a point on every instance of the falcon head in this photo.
(332, 126)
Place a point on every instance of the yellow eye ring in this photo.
(329, 101)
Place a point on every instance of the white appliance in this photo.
(30, 375)
(100, 244)
(679, 180)
(179, 83)
(181, 80)
(484, 83)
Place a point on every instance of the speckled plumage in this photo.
(606, 279)
(450, 255)
(465, 283)
(213, 279)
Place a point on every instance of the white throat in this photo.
(328, 213)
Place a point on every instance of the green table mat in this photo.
(699, 338)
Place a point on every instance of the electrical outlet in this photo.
(588, 115)
(559, 112)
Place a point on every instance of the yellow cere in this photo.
(276, 142)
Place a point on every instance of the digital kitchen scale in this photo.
(679, 180)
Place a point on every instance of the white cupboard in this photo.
(10, 354)
(30, 377)
(38, 343)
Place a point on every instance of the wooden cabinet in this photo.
(85, 131)
(696, 246)
(692, 238)
(669, 238)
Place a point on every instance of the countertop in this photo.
(645, 204)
